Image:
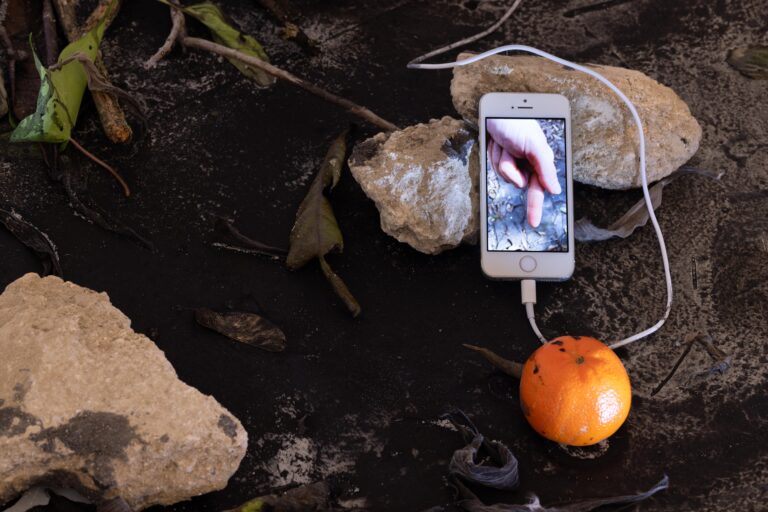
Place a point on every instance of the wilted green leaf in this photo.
(225, 34)
(751, 61)
(61, 92)
(316, 232)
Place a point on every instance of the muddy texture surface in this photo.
(360, 400)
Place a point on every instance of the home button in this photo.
(527, 264)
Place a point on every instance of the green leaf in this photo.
(225, 34)
(316, 232)
(61, 91)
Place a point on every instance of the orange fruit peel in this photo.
(575, 390)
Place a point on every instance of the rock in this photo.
(424, 181)
(604, 133)
(87, 403)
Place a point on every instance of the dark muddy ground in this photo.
(359, 400)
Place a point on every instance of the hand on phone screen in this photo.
(519, 153)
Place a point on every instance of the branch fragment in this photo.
(470, 39)
(354, 108)
(177, 31)
(112, 117)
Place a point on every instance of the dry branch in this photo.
(470, 39)
(177, 31)
(354, 108)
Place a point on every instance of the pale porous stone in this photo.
(424, 182)
(604, 134)
(87, 403)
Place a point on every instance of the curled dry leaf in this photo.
(244, 327)
(226, 34)
(34, 239)
(316, 232)
(472, 503)
(305, 498)
(502, 472)
(637, 216)
(504, 475)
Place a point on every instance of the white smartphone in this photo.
(526, 186)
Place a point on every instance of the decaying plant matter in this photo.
(239, 48)
(316, 232)
(112, 117)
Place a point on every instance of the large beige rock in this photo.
(424, 181)
(604, 133)
(87, 403)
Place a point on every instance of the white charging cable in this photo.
(528, 287)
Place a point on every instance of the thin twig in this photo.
(103, 164)
(354, 108)
(471, 39)
(690, 341)
(49, 33)
(227, 226)
(177, 18)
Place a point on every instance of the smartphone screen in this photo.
(526, 185)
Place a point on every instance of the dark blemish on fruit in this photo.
(562, 350)
(580, 360)
(535, 369)
(557, 342)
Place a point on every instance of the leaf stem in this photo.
(103, 164)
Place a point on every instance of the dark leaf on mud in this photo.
(751, 61)
(34, 239)
(637, 216)
(306, 498)
(244, 327)
(316, 232)
(501, 474)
